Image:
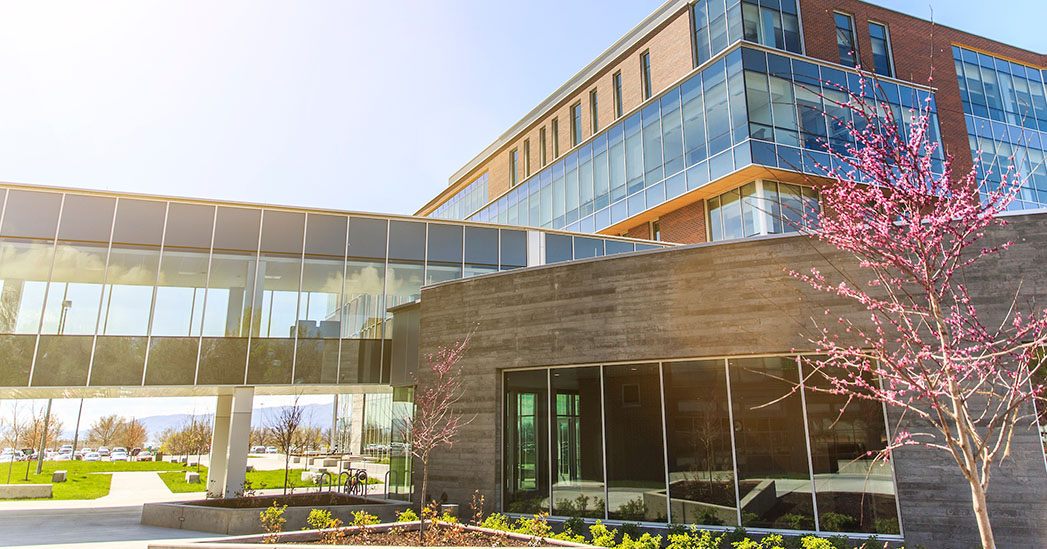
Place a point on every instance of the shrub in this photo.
(838, 522)
(273, 521)
(634, 509)
(692, 538)
(646, 541)
(363, 518)
(496, 521)
(575, 526)
(537, 527)
(318, 518)
(794, 521)
(407, 515)
(601, 536)
(886, 526)
(811, 542)
(631, 530)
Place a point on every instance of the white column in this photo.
(239, 439)
(356, 425)
(219, 447)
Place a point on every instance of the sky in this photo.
(366, 106)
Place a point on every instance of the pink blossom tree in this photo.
(436, 419)
(914, 230)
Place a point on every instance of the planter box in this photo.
(24, 491)
(191, 515)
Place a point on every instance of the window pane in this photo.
(367, 237)
(76, 289)
(316, 361)
(139, 222)
(237, 229)
(223, 361)
(558, 248)
(577, 458)
(526, 442)
(86, 218)
(698, 425)
(325, 235)
(172, 361)
(364, 299)
(635, 460)
(128, 292)
(445, 243)
(514, 248)
(24, 267)
(855, 493)
(62, 361)
(406, 240)
(31, 214)
(189, 226)
(773, 473)
(17, 351)
(118, 361)
(716, 114)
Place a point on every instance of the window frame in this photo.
(616, 84)
(887, 46)
(514, 166)
(645, 75)
(555, 130)
(543, 157)
(594, 114)
(854, 38)
(576, 123)
(527, 157)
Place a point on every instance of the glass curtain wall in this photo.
(1005, 108)
(320, 300)
(745, 106)
(275, 306)
(715, 442)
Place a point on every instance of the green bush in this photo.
(574, 526)
(794, 521)
(886, 526)
(838, 522)
(407, 515)
(601, 536)
(646, 541)
(319, 518)
(496, 521)
(630, 529)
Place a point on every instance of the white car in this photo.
(9, 455)
(66, 449)
(118, 455)
(258, 449)
(271, 450)
(103, 451)
(92, 456)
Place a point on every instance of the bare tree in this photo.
(436, 420)
(15, 428)
(133, 434)
(105, 430)
(35, 427)
(284, 426)
(193, 437)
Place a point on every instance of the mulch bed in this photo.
(438, 537)
(312, 499)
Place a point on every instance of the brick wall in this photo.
(916, 45)
(685, 225)
(642, 230)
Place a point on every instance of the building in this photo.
(622, 250)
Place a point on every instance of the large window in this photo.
(772, 25)
(713, 442)
(881, 49)
(845, 41)
(717, 24)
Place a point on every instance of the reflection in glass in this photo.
(270, 360)
(231, 279)
(635, 461)
(698, 427)
(17, 351)
(179, 307)
(118, 361)
(24, 266)
(128, 291)
(364, 308)
(76, 289)
(222, 361)
(360, 361)
(172, 360)
(578, 488)
(62, 361)
(316, 361)
(855, 494)
(526, 442)
(773, 474)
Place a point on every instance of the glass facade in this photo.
(123, 291)
(714, 442)
(719, 23)
(760, 208)
(750, 106)
(1005, 107)
(465, 201)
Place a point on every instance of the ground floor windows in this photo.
(719, 442)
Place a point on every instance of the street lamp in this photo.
(66, 305)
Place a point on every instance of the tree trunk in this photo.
(287, 465)
(421, 509)
(981, 513)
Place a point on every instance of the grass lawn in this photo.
(84, 479)
(259, 480)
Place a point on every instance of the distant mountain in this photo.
(315, 415)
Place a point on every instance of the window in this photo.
(576, 124)
(645, 74)
(556, 138)
(617, 94)
(527, 157)
(772, 25)
(656, 230)
(541, 148)
(881, 48)
(594, 115)
(845, 39)
(512, 168)
(762, 207)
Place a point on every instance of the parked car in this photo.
(66, 449)
(271, 450)
(258, 449)
(92, 456)
(63, 457)
(118, 454)
(103, 451)
(144, 456)
(11, 454)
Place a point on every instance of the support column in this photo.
(239, 440)
(356, 424)
(219, 447)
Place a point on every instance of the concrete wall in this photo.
(713, 300)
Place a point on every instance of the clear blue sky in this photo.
(344, 104)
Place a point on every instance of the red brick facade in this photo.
(686, 224)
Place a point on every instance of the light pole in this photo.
(66, 304)
(76, 433)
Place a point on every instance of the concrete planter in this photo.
(25, 491)
(191, 515)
